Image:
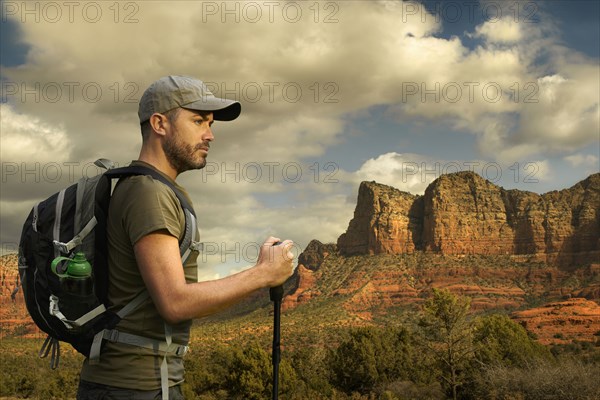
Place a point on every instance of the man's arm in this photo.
(158, 258)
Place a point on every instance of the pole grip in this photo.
(276, 293)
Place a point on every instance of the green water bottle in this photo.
(76, 285)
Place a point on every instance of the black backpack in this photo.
(70, 222)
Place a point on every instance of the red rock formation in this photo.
(561, 322)
(304, 290)
(465, 214)
(313, 255)
(386, 220)
(14, 319)
(462, 213)
(309, 261)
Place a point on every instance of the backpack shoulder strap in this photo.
(187, 243)
(141, 170)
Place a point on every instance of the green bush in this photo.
(313, 376)
(236, 372)
(370, 357)
(340, 363)
(499, 340)
(23, 374)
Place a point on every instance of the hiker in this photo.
(145, 224)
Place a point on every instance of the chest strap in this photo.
(159, 346)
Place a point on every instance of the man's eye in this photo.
(198, 121)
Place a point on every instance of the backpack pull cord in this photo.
(51, 345)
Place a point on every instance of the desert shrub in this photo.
(24, 375)
(584, 350)
(371, 356)
(313, 375)
(567, 379)
(499, 340)
(408, 390)
(236, 372)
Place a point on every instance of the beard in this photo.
(182, 156)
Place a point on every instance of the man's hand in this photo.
(276, 261)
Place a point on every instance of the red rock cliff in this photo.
(463, 213)
(386, 220)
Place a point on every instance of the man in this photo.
(146, 223)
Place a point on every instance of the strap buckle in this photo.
(60, 246)
(181, 351)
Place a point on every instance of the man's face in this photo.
(188, 140)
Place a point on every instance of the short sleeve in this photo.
(148, 206)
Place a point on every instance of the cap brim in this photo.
(222, 109)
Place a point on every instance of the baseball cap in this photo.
(173, 91)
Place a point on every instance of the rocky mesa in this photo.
(507, 250)
(462, 213)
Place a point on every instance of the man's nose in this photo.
(208, 135)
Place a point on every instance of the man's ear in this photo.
(158, 122)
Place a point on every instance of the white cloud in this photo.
(414, 172)
(402, 171)
(566, 113)
(505, 30)
(28, 138)
(587, 160)
(301, 84)
(319, 75)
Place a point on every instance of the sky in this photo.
(333, 93)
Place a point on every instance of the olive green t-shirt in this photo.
(140, 205)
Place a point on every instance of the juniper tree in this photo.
(447, 332)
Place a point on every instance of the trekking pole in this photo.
(276, 295)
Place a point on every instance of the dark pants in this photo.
(96, 391)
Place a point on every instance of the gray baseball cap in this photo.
(172, 92)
